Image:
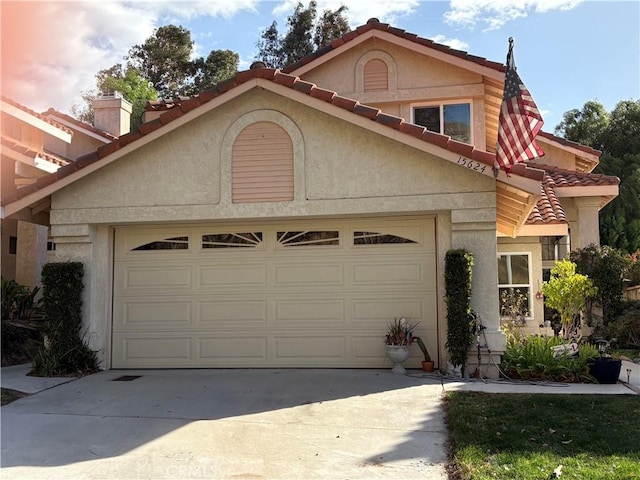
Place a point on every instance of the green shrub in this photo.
(458, 274)
(21, 321)
(65, 352)
(626, 328)
(531, 357)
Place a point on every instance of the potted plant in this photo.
(604, 368)
(398, 339)
(427, 363)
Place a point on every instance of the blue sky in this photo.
(567, 51)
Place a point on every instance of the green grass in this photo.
(9, 396)
(511, 436)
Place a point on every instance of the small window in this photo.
(51, 246)
(232, 240)
(514, 283)
(174, 243)
(309, 238)
(453, 120)
(13, 245)
(376, 238)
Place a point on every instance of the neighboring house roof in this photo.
(37, 115)
(569, 178)
(78, 125)
(374, 24)
(31, 153)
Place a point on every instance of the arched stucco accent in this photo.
(226, 153)
(380, 55)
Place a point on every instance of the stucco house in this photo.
(284, 217)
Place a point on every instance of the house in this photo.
(34, 145)
(283, 218)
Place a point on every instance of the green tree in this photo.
(567, 291)
(333, 24)
(208, 72)
(164, 59)
(617, 135)
(304, 35)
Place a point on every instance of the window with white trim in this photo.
(453, 119)
(514, 283)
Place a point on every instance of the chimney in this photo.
(112, 113)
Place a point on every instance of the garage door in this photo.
(294, 294)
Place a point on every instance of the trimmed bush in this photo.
(65, 352)
(458, 272)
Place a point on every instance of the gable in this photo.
(333, 159)
(416, 75)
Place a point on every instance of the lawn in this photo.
(511, 436)
(9, 395)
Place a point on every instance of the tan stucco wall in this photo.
(81, 144)
(339, 169)
(557, 157)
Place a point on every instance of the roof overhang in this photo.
(585, 161)
(513, 207)
(76, 127)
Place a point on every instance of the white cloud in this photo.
(359, 11)
(493, 14)
(451, 42)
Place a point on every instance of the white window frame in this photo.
(519, 285)
(441, 105)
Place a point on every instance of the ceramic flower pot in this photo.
(605, 370)
(398, 355)
(428, 366)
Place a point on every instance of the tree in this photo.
(567, 291)
(585, 126)
(304, 35)
(617, 135)
(218, 66)
(164, 59)
(297, 43)
(332, 25)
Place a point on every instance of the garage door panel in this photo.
(310, 348)
(239, 313)
(384, 309)
(233, 276)
(152, 314)
(229, 349)
(269, 299)
(140, 277)
(309, 311)
(151, 350)
(309, 273)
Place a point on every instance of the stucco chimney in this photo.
(112, 113)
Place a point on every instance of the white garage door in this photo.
(294, 294)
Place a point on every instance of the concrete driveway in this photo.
(249, 424)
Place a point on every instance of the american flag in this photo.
(520, 121)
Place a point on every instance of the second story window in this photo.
(453, 119)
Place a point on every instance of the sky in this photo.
(567, 51)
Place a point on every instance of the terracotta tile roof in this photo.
(374, 24)
(293, 82)
(37, 115)
(31, 153)
(569, 143)
(548, 209)
(569, 178)
(78, 123)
